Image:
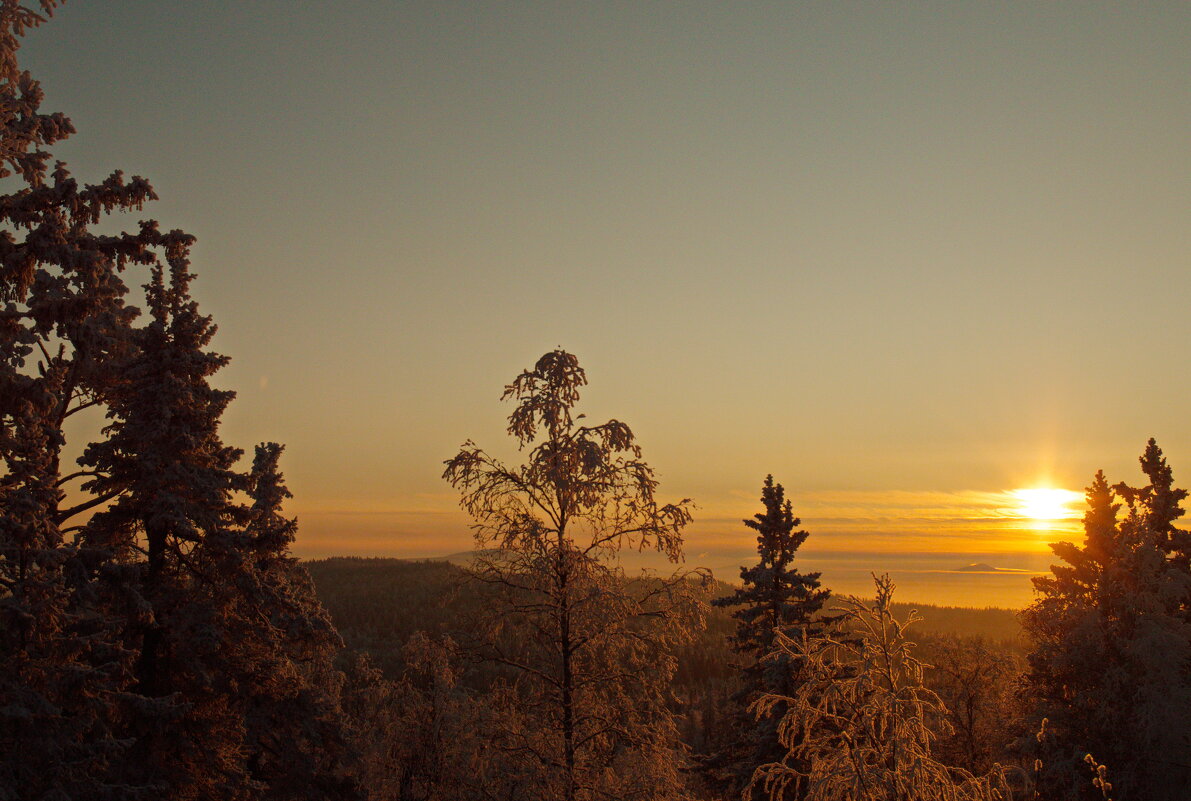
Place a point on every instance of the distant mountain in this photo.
(977, 567)
(985, 567)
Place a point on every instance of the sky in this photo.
(905, 257)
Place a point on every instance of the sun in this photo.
(1042, 504)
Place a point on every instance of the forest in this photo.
(158, 638)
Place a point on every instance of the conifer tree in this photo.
(167, 645)
(1158, 505)
(776, 600)
(59, 676)
(296, 729)
(230, 629)
(1110, 666)
(64, 675)
(588, 648)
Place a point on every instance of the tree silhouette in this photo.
(1110, 665)
(156, 637)
(776, 600)
(588, 649)
(64, 672)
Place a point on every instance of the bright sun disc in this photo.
(1045, 504)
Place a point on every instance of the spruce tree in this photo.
(167, 645)
(231, 628)
(776, 600)
(1110, 665)
(296, 729)
(61, 677)
(65, 675)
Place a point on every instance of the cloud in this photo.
(847, 523)
(897, 521)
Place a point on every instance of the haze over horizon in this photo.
(907, 260)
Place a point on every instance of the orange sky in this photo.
(905, 258)
(840, 522)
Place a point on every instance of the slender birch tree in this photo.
(588, 649)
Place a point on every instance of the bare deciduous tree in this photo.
(977, 681)
(588, 649)
(860, 724)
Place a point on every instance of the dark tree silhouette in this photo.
(589, 649)
(776, 599)
(1110, 666)
(155, 636)
(64, 674)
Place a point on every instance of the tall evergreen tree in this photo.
(65, 675)
(230, 626)
(168, 645)
(1158, 505)
(60, 676)
(1110, 666)
(173, 481)
(776, 600)
(296, 729)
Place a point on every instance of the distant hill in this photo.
(985, 567)
(376, 604)
(461, 558)
(978, 567)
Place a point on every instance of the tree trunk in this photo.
(147, 665)
(568, 679)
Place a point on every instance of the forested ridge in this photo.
(378, 603)
(158, 639)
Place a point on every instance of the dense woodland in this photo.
(380, 605)
(158, 639)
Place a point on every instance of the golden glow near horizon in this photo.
(982, 522)
(1043, 505)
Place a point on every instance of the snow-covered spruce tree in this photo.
(146, 650)
(290, 697)
(1110, 664)
(859, 725)
(64, 674)
(60, 677)
(775, 599)
(1157, 506)
(230, 625)
(172, 480)
(589, 649)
